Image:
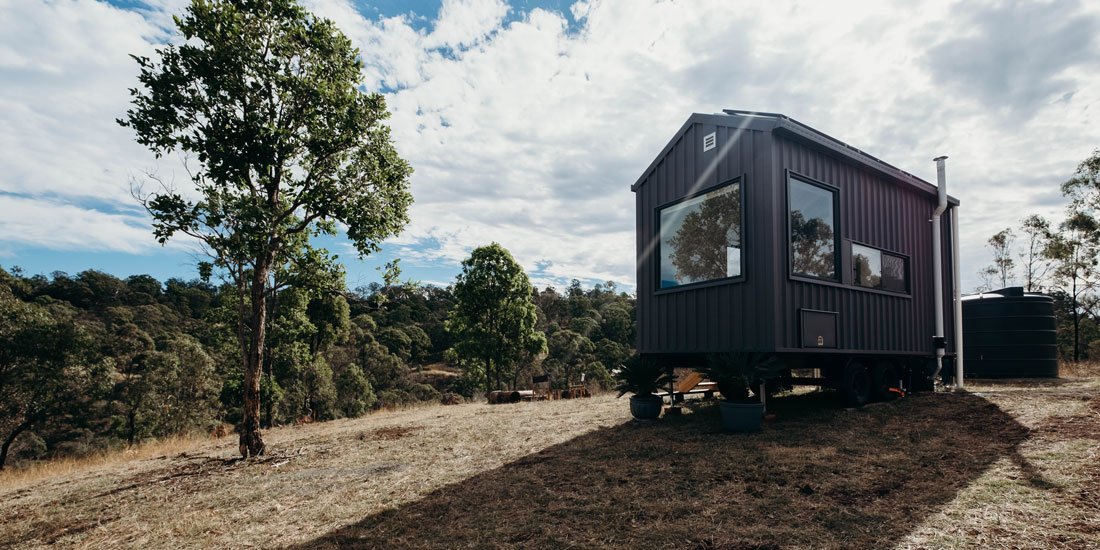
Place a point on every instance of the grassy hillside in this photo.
(1010, 463)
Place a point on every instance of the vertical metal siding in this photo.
(762, 312)
(712, 318)
(879, 213)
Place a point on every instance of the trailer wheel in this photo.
(856, 385)
(884, 377)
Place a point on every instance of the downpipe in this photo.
(957, 285)
(937, 263)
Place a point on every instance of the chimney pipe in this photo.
(938, 339)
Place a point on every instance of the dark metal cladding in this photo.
(1010, 334)
(763, 310)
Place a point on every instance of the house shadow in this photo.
(818, 476)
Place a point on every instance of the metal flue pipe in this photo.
(937, 262)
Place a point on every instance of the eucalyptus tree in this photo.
(1002, 271)
(265, 102)
(1076, 246)
(1036, 266)
(493, 319)
(49, 369)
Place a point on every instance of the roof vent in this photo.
(709, 141)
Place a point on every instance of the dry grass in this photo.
(1084, 369)
(21, 476)
(1008, 464)
(315, 478)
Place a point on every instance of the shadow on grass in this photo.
(819, 477)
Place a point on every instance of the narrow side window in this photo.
(812, 222)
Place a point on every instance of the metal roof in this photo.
(770, 122)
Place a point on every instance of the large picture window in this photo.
(701, 238)
(873, 268)
(813, 225)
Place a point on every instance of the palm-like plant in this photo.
(641, 377)
(736, 372)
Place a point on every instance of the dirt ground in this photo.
(1006, 464)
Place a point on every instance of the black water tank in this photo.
(1009, 334)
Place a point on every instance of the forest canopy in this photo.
(91, 362)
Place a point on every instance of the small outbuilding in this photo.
(758, 233)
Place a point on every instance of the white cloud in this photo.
(56, 225)
(462, 23)
(528, 132)
(66, 72)
(531, 136)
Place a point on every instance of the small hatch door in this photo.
(818, 328)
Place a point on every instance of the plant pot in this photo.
(646, 407)
(742, 417)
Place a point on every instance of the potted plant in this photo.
(642, 377)
(735, 373)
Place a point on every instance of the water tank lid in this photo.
(1009, 292)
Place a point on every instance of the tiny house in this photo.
(758, 233)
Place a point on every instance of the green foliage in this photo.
(737, 372)
(618, 324)
(420, 345)
(1074, 248)
(493, 320)
(172, 357)
(641, 376)
(396, 341)
(570, 353)
(1001, 273)
(384, 369)
(1035, 263)
(188, 386)
(266, 99)
(266, 96)
(331, 318)
(354, 393)
(49, 369)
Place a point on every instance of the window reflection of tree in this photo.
(865, 274)
(699, 248)
(812, 246)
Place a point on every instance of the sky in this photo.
(527, 122)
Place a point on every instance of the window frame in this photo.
(906, 263)
(838, 265)
(657, 254)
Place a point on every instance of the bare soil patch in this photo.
(1007, 464)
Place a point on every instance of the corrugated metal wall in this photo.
(725, 316)
(762, 312)
(883, 214)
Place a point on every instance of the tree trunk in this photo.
(11, 439)
(1076, 323)
(251, 442)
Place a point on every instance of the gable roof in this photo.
(775, 122)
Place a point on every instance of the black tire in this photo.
(856, 385)
(883, 377)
